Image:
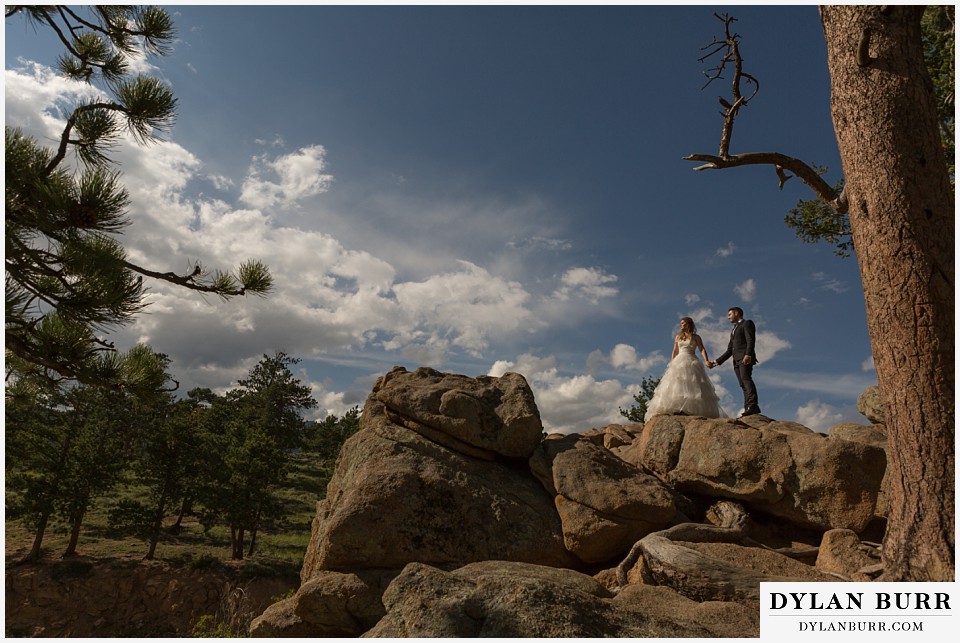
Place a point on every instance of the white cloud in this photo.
(727, 250)
(624, 356)
(715, 332)
(692, 299)
(569, 403)
(578, 403)
(868, 365)
(769, 344)
(469, 303)
(327, 297)
(818, 416)
(747, 290)
(588, 283)
(328, 402)
(299, 175)
(220, 182)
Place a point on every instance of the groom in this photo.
(741, 348)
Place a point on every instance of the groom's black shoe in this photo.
(754, 411)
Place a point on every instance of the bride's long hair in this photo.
(690, 331)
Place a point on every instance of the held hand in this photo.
(711, 364)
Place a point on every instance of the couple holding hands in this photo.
(685, 387)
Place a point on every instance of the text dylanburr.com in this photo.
(848, 611)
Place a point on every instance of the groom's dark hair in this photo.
(737, 309)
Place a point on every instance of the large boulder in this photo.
(874, 435)
(842, 553)
(492, 415)
(397, 497)
(782, 469)
(870, 405)
(512, 600)
(331, 604)
(605, 504)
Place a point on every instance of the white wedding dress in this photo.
(685, 387)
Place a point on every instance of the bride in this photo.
(685, 388)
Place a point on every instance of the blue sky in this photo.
(482, 189)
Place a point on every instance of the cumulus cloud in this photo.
(591, 284)
(692, 299)
(470, 300)
(746, 290)
(569, 403)
(624, 356)
(818, 416)
(328, 297)
(297, 176)
(868, 365)
(714, 329)
(328, 402)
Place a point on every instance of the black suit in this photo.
(743, 338)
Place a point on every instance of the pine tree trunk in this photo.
(901, 211)
(237, 538)
(184, 509)
(34, 554)
(75, 522)
(253, 533)
(155, 532)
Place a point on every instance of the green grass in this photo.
(279, 550)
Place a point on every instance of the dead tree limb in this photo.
(691, 573)
(780, 162)
(729, 51)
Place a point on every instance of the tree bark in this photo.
(155, 531)
(253, 533)
(237, 538)
(902, 219)
(34, 554)
(75, 522)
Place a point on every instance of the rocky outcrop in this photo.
(842, 554)
(605, 504)
(451, 514)
(874, 435)
(779, 468)
(504, 599)
(398, 497)
(330, 604)
(870, 405)
(480, 417)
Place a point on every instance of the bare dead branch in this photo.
(780, 161)
(729, 47)
(729, 51)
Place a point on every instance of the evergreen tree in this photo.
(69, 445)
(37, 432)
(327, 436)
(246, 435)
(273, 399)
(638, 411)
(68, 279)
